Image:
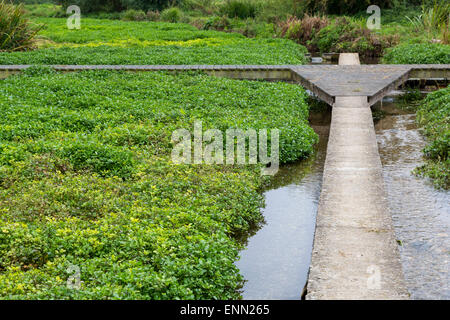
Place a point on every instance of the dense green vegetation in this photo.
(341, 34)
(310, 23)
(418, 53)
(118, 42)
(86, 179)
(16, 32)
(244, 53)
(85, 172)
(434, 115)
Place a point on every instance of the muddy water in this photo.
(276, 261)
(421, 214)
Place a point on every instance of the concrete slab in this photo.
(349, 59)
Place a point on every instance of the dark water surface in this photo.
(276, 262)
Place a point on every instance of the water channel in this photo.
(276, 261)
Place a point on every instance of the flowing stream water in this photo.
(421, 214)
(276, 261)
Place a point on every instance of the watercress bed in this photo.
(117, 42)
(87, 181)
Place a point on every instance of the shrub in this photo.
(105, 15)
(133, 15)
(431, 18)
(343, 6)
(434, 115)
(32, 2)
(417, 53)
(88, 6)
(239, 9)
(153, 15)
(274, 11)
(343, 34)
(16, 32)
(146, 5)
(207, 7)
(303, 30)
(217, 23)
(171, 15)
(45, 10)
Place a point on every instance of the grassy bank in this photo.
(86, 180)
(434, 115)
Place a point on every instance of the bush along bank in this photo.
(88, 189)
(418, 53)
(341, 34)
(434, 115)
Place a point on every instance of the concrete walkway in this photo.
(355, 253)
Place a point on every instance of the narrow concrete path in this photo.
(355, 254)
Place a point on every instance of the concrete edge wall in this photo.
(257, 72)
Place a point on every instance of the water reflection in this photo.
(276, 261)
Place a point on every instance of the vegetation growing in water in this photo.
(418, 53)
(118, 42)
(434, 116)
(86, 180)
